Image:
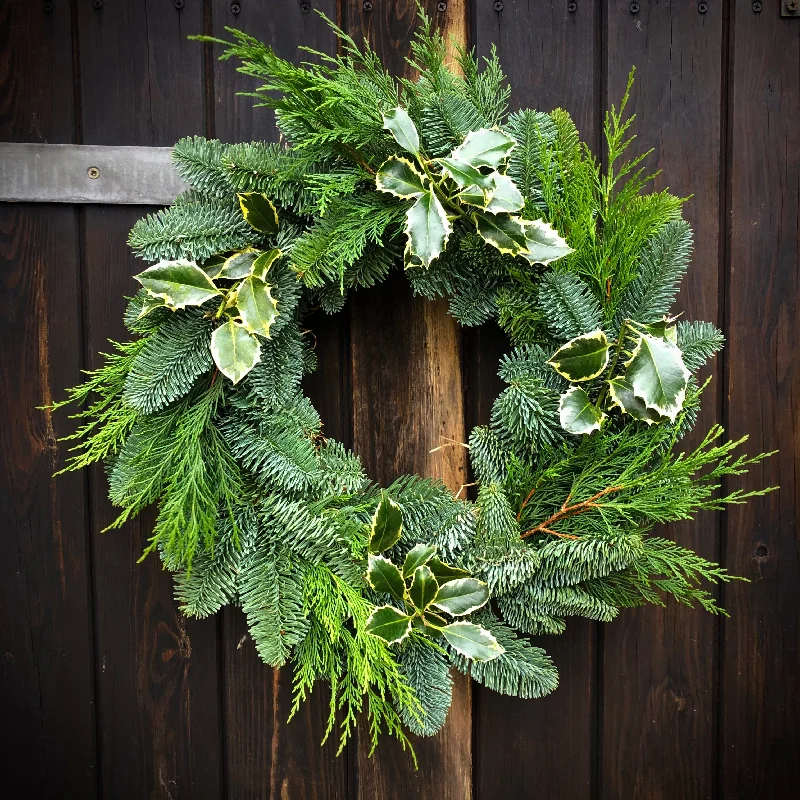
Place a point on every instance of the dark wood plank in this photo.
(265, 757)
(407, 394)
(158, 676)
(760, 720)
(542, 748)
(659, 670)
(47, 742)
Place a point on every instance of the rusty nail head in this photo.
(702, 7)
(572, 6)
(757, 6)
(93, 173)
(441, 7)
(634, 8)
(235, 8)
(498, 6)
(367, 6)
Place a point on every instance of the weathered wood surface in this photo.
(108, 692)
(82, 173)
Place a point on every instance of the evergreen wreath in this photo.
(380, 592)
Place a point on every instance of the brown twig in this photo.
(525, 502)
(567, 510)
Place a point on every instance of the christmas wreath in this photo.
(380, 592)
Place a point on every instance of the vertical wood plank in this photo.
(760, 720)
(141, 83)
(545, 747)
(47, 740)
(659, 666)
(265, 757)
(407, 394)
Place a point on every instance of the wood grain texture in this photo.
(158, 674)
(760, 718)
(407, 395)
(47, 737)
(659, 667)
(551, 59)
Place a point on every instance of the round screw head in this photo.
(572, 7)
(305, 8)
(498, 6)
(179, 4)
(367, 6)
(97, 3)
(235, 8)
(634, 8)
(757, 6)
(791, 5)
(48, 7)
(93, 173)
(441, 7)
(702, 7)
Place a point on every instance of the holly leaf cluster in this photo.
(427, 591)
(247, 308)
(470, 184)
(646, 377)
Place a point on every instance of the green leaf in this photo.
(423, 588)
(504, 195)
(213, 265)
(257, 307)
(387, 525)
(235, 350)
(149, 302)
(398, 176)
(444, 572)
(663, 329)
(658, 375)
(472, 641)
(239, 265)
(473, 196)
(389, 624)
(543, 243)
(582, 358)
(434, 620)
(465, 174)
(178, 283)
(262, 264)
(383, 576)
(259, 212)
(576, 412)
(505, 233)
(484, 148)
(462, 596)
(417, 556)
(621, 393)
(428, 228)
(401, 126)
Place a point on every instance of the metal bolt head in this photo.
(791, 5)
(633, 8)
(97, 3)
(235, 8)
(179, 4)
(702, 7)
(441, 7)
(572, 7)
(757, 6)
(93, 173)
(366, 5)
(498, 6)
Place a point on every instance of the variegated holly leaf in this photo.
(257, 307)
(428, 229)
(505, 197)
(387, 525)
(444, 572)
(658, 375)
(262, 264)
(423, 588)
(149, 302)
(663, 329)
(462, 596)
(433, 620)
(178, 283)
(259, 212)
(398, 176)
(543, 243)
(474, 196)
(235, 350)
(383, 576)
(472, 641)
(417, 556)
(505, 233)
(486, 147)
(389, 624)
(239, 265)
(582, 358)
(464, 174)
(621, 394)
(402, 127)
(213, 265)
(577, 413)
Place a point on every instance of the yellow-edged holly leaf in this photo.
(239, 264)
(259, 212)
(389, 624)
(658, 375)
(464, 174)
(387, 525)
(428, 229)
(505, 197)
(149, 302)
(621, 394)
(423, 588)
(402, 127)
(262, 264)
(178, 283)
(505, 233)
(543, 244)
(383, 576)
(462, 596)
(256, 305)
(445, 572)
(582, 358)
(486, 147)
(472, 641)
(577, 414)
(212, 266)
(417, 556)
(399, 177)
(235, 350)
